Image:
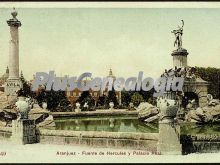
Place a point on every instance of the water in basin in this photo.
(109, 124)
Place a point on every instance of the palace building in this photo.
(74, 95)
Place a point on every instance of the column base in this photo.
(169, 138)
(12, 86)
(23, 131)
(168, 149)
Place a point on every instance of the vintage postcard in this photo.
(116, 82)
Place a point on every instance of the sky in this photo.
(72, 41)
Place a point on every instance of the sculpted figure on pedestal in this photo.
(23, 108)
(178, 34)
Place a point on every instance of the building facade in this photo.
(74, 95)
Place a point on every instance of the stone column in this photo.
(13, 83)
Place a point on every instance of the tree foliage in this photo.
(126, 97)
(212, 75)
(146, 95)
(26, 89)
(84, 99)
(111, 98)
(137, 98)
(53, 99)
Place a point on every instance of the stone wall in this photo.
(116, 112)
(5, 133)
(199, 87)
(140, 141)
(200, 143)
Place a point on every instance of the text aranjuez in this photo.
(162, 84)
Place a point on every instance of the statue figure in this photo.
(211, 101)
(111, 104)
(77, 108)
(44, 105)
(86, 106)
(178, 34)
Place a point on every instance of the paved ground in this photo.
(39, 153)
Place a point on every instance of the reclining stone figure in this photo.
(211, 101)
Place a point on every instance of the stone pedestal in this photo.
(169, 138)
(180, 57)
(12, 86)
(169, 130)
(24, 131)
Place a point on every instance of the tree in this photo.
(152, 100)
(212, 75)
(53, 99)
(101, 100)
(147, 94)
(126, 97)
(136, 99)
(26, 88)
(86, 98)
(112, 98)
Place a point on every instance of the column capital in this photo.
(14, 21)
(180, 52)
